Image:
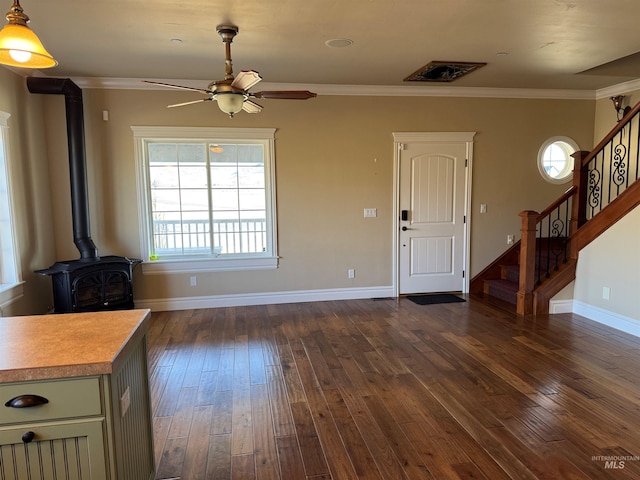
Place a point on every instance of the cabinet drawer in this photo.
(69, 398)
(63, 450)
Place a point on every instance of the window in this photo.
(10, 284)
(555, 161)
(207, 198)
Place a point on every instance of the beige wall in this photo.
(613, 259)
(334, 157)
(605, 116)
(30, 184)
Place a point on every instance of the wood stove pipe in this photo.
(77, 158)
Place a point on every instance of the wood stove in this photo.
(90, 283)
(91, 286)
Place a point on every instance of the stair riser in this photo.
(510, 273)
(502, 289)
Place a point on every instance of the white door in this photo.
(432, 206)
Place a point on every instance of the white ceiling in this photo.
(549, 42)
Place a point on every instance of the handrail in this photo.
(609, 170)
(566, 195)
(619, 126)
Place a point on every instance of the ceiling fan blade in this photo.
(285, 94)
(246, 79)
(251, 107)
(181, 87)
(189, 103)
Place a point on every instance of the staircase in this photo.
(506, 287)
(606, 186)
(501, 278)
(550, 256)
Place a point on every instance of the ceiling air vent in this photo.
(443, 71)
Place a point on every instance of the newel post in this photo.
(579, 203)
(524, 304)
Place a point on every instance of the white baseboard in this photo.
(267, 298)
(600, 315)
(561, 306)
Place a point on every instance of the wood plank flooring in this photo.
(387, 389)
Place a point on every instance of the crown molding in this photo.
(379, 90)
(619, 89)
(353, 90)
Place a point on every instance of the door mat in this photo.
(435, 298)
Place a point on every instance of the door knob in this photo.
(404, 229)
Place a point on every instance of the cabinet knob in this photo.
(26, 401)
(28, 437)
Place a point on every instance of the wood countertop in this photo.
(66, 345)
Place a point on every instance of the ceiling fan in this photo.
(232, 94)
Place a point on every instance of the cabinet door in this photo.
(71, 450)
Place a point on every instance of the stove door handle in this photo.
(26, 401)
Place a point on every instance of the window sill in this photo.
(159, 267)
(10, 293)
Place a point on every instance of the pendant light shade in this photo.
(230, 102)
(19, 46)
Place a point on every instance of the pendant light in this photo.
(19, 46)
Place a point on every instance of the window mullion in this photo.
(210, 200)
(180, 199)
(238, 212)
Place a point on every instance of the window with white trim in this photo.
(10, 282)
(555, 162)
(206, 198)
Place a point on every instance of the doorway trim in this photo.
(399, 139)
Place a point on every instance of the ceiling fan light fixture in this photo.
(19, 45)
(230, 102)
(231, 94)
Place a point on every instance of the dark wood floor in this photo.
(387, 389)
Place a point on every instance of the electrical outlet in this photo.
(606, 293)
(351, 273)
(193, 281)
(510, 239)
(483, 208)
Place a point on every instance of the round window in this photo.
(555, 161)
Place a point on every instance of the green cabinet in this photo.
(88, 428)
(59, 450)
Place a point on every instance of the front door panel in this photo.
(431, 240)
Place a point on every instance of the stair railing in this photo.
(599, 177)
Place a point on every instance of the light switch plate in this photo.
(370, 212)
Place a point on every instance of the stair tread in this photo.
(502, 289)
(507, 284)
